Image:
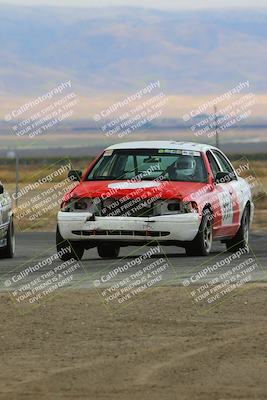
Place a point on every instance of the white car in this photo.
(174, 193)
(7, 235)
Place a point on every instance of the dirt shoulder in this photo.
(161, 347)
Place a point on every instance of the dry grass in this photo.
(27, 173)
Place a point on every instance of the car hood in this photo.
(141, 189)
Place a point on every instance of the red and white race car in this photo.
(167, 192)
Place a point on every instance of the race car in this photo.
(7, 235)
(142, 193)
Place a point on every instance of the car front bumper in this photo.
(180, 227)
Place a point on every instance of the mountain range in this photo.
(107, 50)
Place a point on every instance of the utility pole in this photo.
(216, 127)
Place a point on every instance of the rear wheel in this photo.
(108, 251)
(201, 245)
(240, 241)
(9, 250)
(68, 249)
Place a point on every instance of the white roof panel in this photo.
(161, 144)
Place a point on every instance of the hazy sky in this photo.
(177, 4)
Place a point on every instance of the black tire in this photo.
(9, 250)
(201, 245)
(108, 251)
(68, 249)
(241, 239)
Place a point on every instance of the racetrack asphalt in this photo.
(33, 247)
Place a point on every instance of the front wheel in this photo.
(67, 249)
(9, 250)
(108, 251)
(240, 240)
(201, 245)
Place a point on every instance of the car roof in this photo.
(162, 144)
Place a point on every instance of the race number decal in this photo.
(226, 205)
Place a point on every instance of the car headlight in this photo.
(172, 207)
(189, 207)
(166, 207)
(78, 205)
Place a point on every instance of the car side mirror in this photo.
(1, 188)
(224, 177)
(75, 175)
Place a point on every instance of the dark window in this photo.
(213, 164)
(149, 164)
(225, 165)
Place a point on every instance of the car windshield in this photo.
(149, 164)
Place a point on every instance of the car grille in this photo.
(127, 208)
(98, 232)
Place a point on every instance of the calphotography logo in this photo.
(133, 277)
(42, 114)
(40, 279)
(134, 112)
(211, 283)
(42, 195)
(223, 112)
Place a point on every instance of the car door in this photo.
(219, 199)
(229, 195)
